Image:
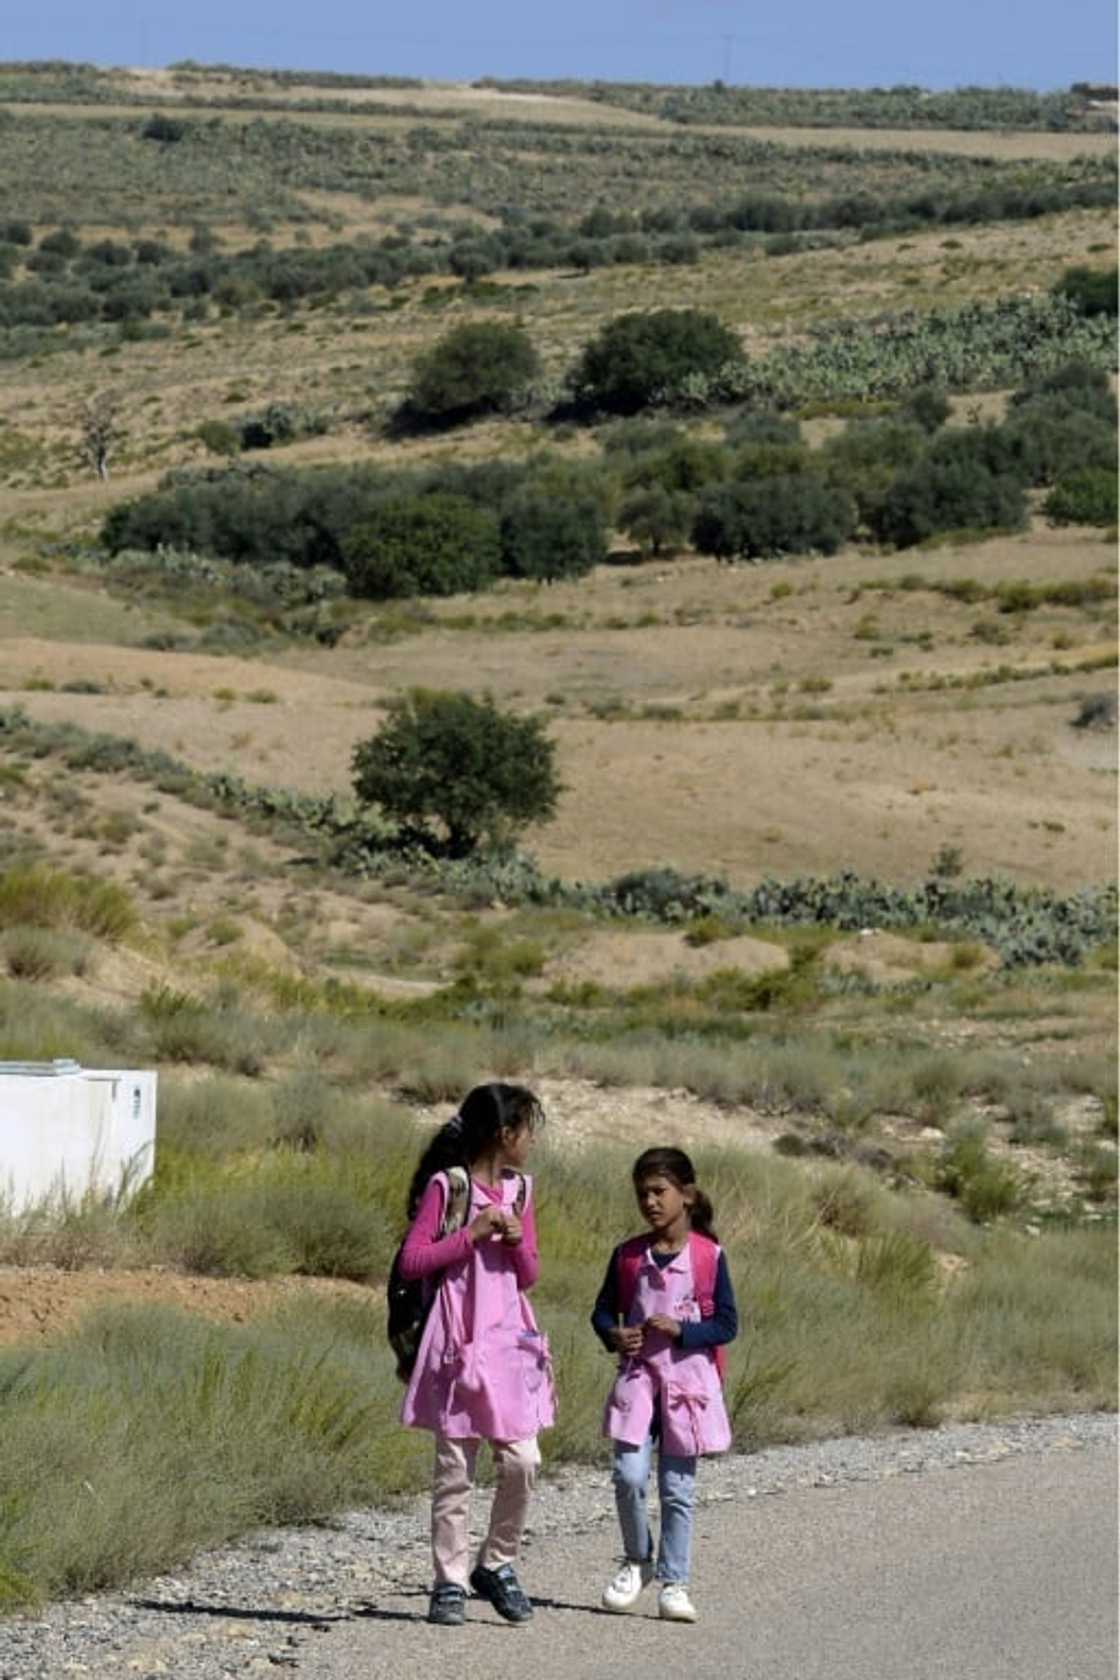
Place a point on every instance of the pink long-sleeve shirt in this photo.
(425, 1252)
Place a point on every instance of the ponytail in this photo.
(675, 1165)
(701, 1214)
(445, 1150)
(484, 1112)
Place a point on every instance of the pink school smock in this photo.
(683, 1383)
(483, 1368)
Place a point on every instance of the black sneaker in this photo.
(448, 1605)
(504, 1591)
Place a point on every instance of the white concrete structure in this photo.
(66, 1131)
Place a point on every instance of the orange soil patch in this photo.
(39, 1302)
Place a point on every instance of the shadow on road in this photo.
(235, 1612)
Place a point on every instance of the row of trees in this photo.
(761, 491)
(905, 105)
(440, 532)
(63, 278)
(688, 359)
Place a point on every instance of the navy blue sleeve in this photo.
(606, 1311)
(723, 1326)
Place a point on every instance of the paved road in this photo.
(1003, 1571)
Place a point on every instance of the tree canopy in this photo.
(639, 359)
(478, 772)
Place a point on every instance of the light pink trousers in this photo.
(516, 1464)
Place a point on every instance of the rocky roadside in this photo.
(264, 1604)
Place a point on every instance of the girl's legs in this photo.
(516, 1464)
(452, 1480)
(631, 1475)
(676, 1484)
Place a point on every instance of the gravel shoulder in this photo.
(330, 1600)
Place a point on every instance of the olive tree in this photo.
(648, 357)
(479, 368)
(446, 758)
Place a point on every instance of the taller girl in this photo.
(667, 1309)
(482, 1372)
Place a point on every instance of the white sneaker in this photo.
(674, 1604)
(626, 1588)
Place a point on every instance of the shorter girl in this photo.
(667, 1309)
(482, 1370)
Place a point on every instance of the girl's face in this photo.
(514, 1143)
(664, 1205)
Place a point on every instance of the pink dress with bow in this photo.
(483, 1368)
(683, 1384)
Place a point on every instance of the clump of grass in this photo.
(1097, 1169)
(984, 1187)
(50, 898)
(183, 1028)
(488, 956)
(705, 930)
(289, 1215)
(150, 1434)
(1033, 1120)
(31, 953)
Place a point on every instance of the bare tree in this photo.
(98, 418)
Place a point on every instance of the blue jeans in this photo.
(676, 1483)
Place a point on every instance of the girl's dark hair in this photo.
(483, 1113)
(675, 1165)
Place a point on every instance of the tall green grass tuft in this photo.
(50, 898)
(150, 1434)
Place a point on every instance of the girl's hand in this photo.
(668, 1326)
(629, 1339)
(485, 1224)
(512, 1231)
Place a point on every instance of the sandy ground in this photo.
(752, 733)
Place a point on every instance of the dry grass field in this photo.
(454, 99)
(805, 716)
(744, 730)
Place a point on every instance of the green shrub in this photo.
(474, 769)
(794, 514)
(866, 458)
(1087, 496)
(1092, 290)
(31, 953)
(984, 1187)
(546, 536)
(936, 496)
(48, 898)
(64, 242)
(763, 425)
(1076, 384)
(219, 437)
(645, 359)
(164, 128)
(657, 519)
(422, 545)
(927, 406)
(1044, 443)
(479, 368)
(686, 464)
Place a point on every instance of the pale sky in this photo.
(801, 43)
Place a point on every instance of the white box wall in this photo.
(68, 1132)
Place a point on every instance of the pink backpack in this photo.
(703, 1254)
